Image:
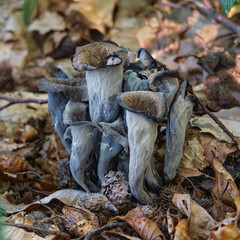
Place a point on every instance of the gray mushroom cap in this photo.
(66, 70)
(95, 55)
(166, 82)
(150, 104)
(146, 58)
(75, 112)
(72, 88)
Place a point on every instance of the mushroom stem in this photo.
(109, 150)
(82, 146)
(113, 141)
(103, 85)
(152, 177)
(142, 134)
(56, 105)
(179, 116)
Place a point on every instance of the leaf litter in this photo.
(203, 200)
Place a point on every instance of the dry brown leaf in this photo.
(14, 118)
(181, 230)
(12, 164)
(53, 41)
(80, 221)
(199, 150)
(211, 32)
(172, 221)
(98, 12)
(47, 22)
(222, 179)
(228, 232)
(125, 30)
(229, 117)
(29, 134)
(21, 234)
(201, 224)
(145, 227)
(146, 37)
(67, 196)
(112, 235)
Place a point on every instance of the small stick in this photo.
(215, 15)
(106, 227)
(12, 101)
(33, 229)
(214, 118)
(224, 190)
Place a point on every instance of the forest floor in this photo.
(40, 199)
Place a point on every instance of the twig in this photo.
(12, 101)
(186, 179)
(214, 118)
(106, 227)
(215, 15)
(224, 190)
(63, 235)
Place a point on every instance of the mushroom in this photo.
(179, 116)
(134, 83)
(166, 82)
(75, 115)
(144, 110)
(103, 62)
(114, 139)
(146, 58)
(59, 92)
(81, 156)
(66, 70)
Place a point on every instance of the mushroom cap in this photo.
(95, 55)
(159, 74)
(75, 88)
(151, 104)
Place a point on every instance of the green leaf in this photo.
(227, 5)
(28, 7)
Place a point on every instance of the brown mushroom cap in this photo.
(94, 55)
(151, 104)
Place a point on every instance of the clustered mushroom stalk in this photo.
(144, 110)
(103, 63)
(85, 106)
(179, 116)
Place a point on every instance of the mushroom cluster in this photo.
(107, 108)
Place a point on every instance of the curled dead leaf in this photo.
(181, 230)
(224, 185)
(201, 224)
(12, 164)
(229, 232)
(145, 227)
(80, 220)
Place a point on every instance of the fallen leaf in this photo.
(12, 164)
(47, 22)
(146, 228)
(14, 118)
(229, 232)
(30, 134)
(211, 32)
(199, 150)
(224, 185)
(181, 230)
(98, 12)
(110, 235)
(201, 224)
(80, 221)
(10, 232)
(172, 221)
(229, 117)
(67, 196)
